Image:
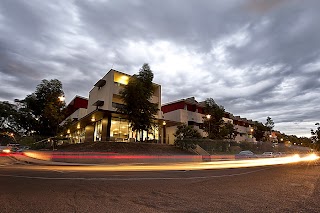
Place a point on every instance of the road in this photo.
(35, 188)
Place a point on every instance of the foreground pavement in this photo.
(41, 188)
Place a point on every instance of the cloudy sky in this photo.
(256, 58)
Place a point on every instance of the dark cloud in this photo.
(257, 58)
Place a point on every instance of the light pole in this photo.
(61, 98)
(208, 117)
(164, 132)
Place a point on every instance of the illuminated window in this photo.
(119, 129)
(98, 131)
(121, 78)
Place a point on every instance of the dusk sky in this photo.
(256, 58)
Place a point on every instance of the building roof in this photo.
(190, 100)
(77, 96)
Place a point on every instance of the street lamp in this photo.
(61, 98)
(208, 118)
(164, 132)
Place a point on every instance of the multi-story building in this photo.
(244, 129)
(187, 111)
(191, 112)
(76, 109)
(102, 122)
(97, 119)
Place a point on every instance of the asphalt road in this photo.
(34, 188)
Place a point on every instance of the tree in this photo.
(269, 124)
(186, 132)
(41, 111)
(136, 96)
(214, 122)
(259, 131)
(8, 117)
(228, 131)
(185, 136)
(316, 136)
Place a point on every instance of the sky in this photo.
(257, 58)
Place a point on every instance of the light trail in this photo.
(190, 165)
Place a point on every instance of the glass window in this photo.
(78, 136)
(98, 131)
(119, 130)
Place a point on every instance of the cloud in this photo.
(257, 58)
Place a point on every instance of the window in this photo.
(98, 131)
(119, 129)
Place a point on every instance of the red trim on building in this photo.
(76, 104)
(172, 107)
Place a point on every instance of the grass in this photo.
(125, 148)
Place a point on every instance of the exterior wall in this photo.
(80, 103)
(172, 107)
(89, 130)
(184, 113)
(183, 116)
(75, 104)
(170, 134)
(189, 111)
(110, 93)
(244, 134)
(195, 116)
(78, 114)
(104, 93)
(156, 98)
(226, 120)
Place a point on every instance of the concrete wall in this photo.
(104, 93)
(89, 130)
(110, 93)
(182, 115)
(78, 114)
(170, 134)
(246, 134)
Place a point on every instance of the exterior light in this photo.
(61, 98)
(6, 151)
(68, 131)
(11, 134)
(281, 139)
(208, 116)
(270, 136)
(164, 123)
(251, 129)
(93, 119)
(78, 126)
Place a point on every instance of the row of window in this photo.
(119, 131)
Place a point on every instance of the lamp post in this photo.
(164, 132)
(208, 118)
(61, 98)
